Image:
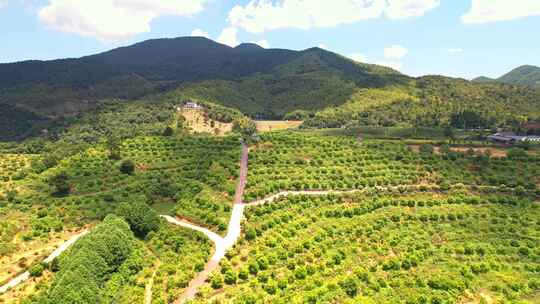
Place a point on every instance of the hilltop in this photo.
(525, 75)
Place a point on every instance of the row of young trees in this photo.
(303, 162)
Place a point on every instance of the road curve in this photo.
(234, 229)
(222, 244)
(57, 252)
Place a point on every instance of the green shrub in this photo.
(37, 270)
(127, 167)
(216, 280)
(141, 218)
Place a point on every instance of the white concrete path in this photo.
(57, 252)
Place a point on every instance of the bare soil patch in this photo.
(199, 122)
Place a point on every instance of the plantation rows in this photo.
(110, 265)
(193, 177)
(289, 161)
(196, 173)
(96, 269)
(419, 248)
(292, 162)
(182, 253)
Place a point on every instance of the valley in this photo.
(183, 170)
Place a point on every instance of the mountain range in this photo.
(526, 75)
(316, 85)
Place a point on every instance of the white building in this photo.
(192, 105)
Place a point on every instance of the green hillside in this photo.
(335, 92)
(483, 79)
(434, 101)
(526, 75)
(316, 80)
(327, 89)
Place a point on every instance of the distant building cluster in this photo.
(192, 105)
(512, 138)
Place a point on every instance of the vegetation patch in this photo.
(414, 248)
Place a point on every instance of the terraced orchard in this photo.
(297, 161)
(193, 177)
(181, 254)
(409, 248)
(205, 170)
(195, 174)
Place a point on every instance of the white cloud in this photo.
(455, 51)
(483, 11)
(229, 36)
(111, 20)
(263, 15)
(200, 33)
(391, 64)
(3, 3)
(322, 46)
(395, 52)
(358, 57)
(399, 9)
(263, 43)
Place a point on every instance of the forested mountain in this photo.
(526, 75)
(327, 89)
(484, 79)
(64, 86)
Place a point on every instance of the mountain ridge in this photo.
(264, 83)
(525, 75)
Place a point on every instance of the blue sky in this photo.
(461, 38)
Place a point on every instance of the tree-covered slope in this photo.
(483, 79)
(435, 101)
(314, 81)
(527, 75)
(266, 83)
(69, 85)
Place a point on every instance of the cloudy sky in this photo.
(462, 38)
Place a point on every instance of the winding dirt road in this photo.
(57, 252)
(222, 244)
(234, 230)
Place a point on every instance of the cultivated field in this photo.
(276, 125)
(328, 219)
